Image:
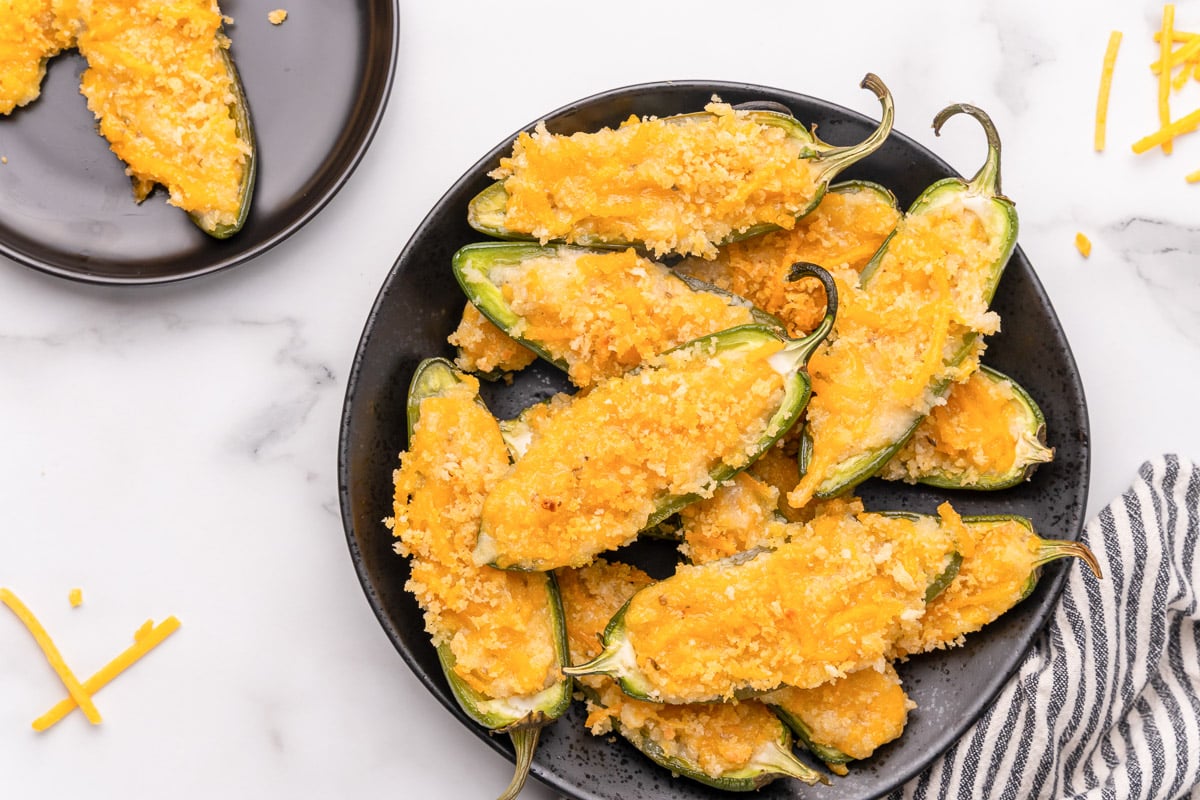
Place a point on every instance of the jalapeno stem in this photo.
(1051, 550)
(987, 180)
(798, 351)
(836, 159)
(525, 743)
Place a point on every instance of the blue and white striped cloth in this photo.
(1107, 702)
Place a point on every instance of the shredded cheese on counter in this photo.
(147, 637)
(79, 694)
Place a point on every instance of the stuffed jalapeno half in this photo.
(636, 448)
(171, 105)
(990, 434)
(1002, 558)
(500, 636)
(846, 719)
(593, 313)
(833, 600)
(913, 327)
(841, 234)
(683, 184)
(31, 33)
(735, 747)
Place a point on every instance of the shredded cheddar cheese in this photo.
(718, 738)
(677, 187)
(75, 598)
(30, 34)
(497, 627)
(874, 380)
(854, 715)
(158, 83)
(831, 601)
(1083, 244)
(78, 693)
(1164, 77)
(1106, 75)
(1193, 177)
(841, 235)
(147, 637)
(599, 468)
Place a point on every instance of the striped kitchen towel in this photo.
(1107, 702)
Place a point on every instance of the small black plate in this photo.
(317, 86)
(419, 306)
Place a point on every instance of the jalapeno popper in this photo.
(499, 635)
(594, 313)
(31, 33)
(1001, 562)
(733, 747)
(912, 328)
(833, 600)
(841, 234)
(681, 184)
(168, 100)
(637, 448)
(990, 434)
(846, 719)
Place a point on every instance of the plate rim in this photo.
(1049, 587)
(357, 149)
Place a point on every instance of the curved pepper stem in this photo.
(1051, 550)
(802, 349)
(836, 159)
(525, 743)
(987, 180)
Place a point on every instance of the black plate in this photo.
(317, 86)
(419, 306)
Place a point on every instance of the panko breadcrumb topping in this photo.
(900, 337)
(484, 348)
(676, 186)
(833, 600)
(497, 625)
(854, 715)
(979, 433)
(603, 464)
(841, 235)
(716, 737)
(603, 313)
(277, 16)
(159, 82)
(998, 563)
(31, 32)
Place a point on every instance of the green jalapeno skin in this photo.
(982, 193)
(790, 362)
(619, 660)
(1032, 449)
(486, 211)
(239, 109)
(521, 717)
(478, 269)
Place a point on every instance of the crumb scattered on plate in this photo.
(75, 597)
(277, 16)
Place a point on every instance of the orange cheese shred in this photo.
(1193, 177)
(1106, 73)
(1164, 75)
(1083, 244)
(146, 639)
(1183, 125)
(75, 598)
(79, 695)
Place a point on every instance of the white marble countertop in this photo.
(172, 449)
